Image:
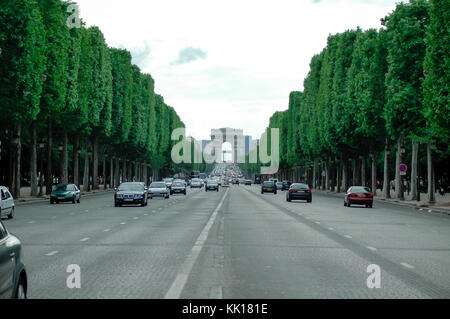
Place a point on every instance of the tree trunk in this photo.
(338, 174)
(374, 174)
(95, 162)
(314, 174)
(104, 171)
(398, 178)
(414, 164)
(111, 172)
(354, 161)
(64, 160)
(386, 181)
(124, 171)
(363, 171)
(86, 167)
(117, 173)
(430, 167)
(17, 158)
(327, 173)
(76, 165)
(145, 173)
(48, 169)
(33, 164)
(345, 183)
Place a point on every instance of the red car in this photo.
(359, 195)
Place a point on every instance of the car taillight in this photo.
(370, 195)
(353, 195)
(308, 191)
(292, 190)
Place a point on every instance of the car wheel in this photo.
(345, 203)
(21, 291)
(370, 205)
(78, 200)
(51, 202)
(309, 200)
(151, 197)
(348, 204)
(262, 192)
(184, 193)
(73, 200)
(11, 215)
(217, 189)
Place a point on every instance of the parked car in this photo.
(65, 193)
(196, 182)
(6, 203)
(130, 193)
(268, 187)
(158, 189)
(359, 195)
(13, 275)
(211, 185)
(178, 187)
(299, 191)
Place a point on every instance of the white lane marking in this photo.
(54, 217)
(371, 248)
(407, 265)
(87, 211)
(429, 210)
(160, 208)
(135, 218)
(72, 214)
(85, 239)
(318, 223)
(153, 211)
(31, 222)
(123, 223)
(348, 236)
(178, 284)
(106, 230)
(145, 214)
(331, 228)
(216, 292)
(52, 253)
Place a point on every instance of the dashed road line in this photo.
(106, 230)
(407, 265)
(122, 223)
(348, 236)
(85, 239)
(52, 253)
(371, 248)
(32, 222)
(331, 228)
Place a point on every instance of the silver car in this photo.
(158, 189)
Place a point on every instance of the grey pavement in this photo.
(235, 243)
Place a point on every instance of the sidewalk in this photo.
(25, 197)
(442, 204)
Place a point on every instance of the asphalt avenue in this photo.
(235, 243)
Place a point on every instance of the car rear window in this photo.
(61, 187)
(300, 186)
(268, 183)
(158, 185)
(360, 189)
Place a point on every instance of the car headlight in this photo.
(119, 195)
(138, 195)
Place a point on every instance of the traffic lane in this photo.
(417, 242)
(52, 224)
(137, 259)
(262, 252)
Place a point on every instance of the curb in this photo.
(422, 208)
(46, 198)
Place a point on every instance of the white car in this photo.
(6, 203)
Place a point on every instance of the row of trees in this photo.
(63, 89)
(370, 93)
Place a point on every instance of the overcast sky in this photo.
(227, 63)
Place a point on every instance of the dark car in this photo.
(211, 185)
(248, 182)
(158, 189)
(13, 276)
(359, 195)
(65, 193)
(268, 187)
(299, 191)
(178, 188)
(286, 185)
(131, 193)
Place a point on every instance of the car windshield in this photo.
(268, 183)
(158, 185)
(360, 189)
(195, 180)
(168, 179)
(177, 184)
(61, 188)
(300, 186)
(131, 187)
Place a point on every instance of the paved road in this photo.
(235, 243)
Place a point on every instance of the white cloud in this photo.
(258, 51)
